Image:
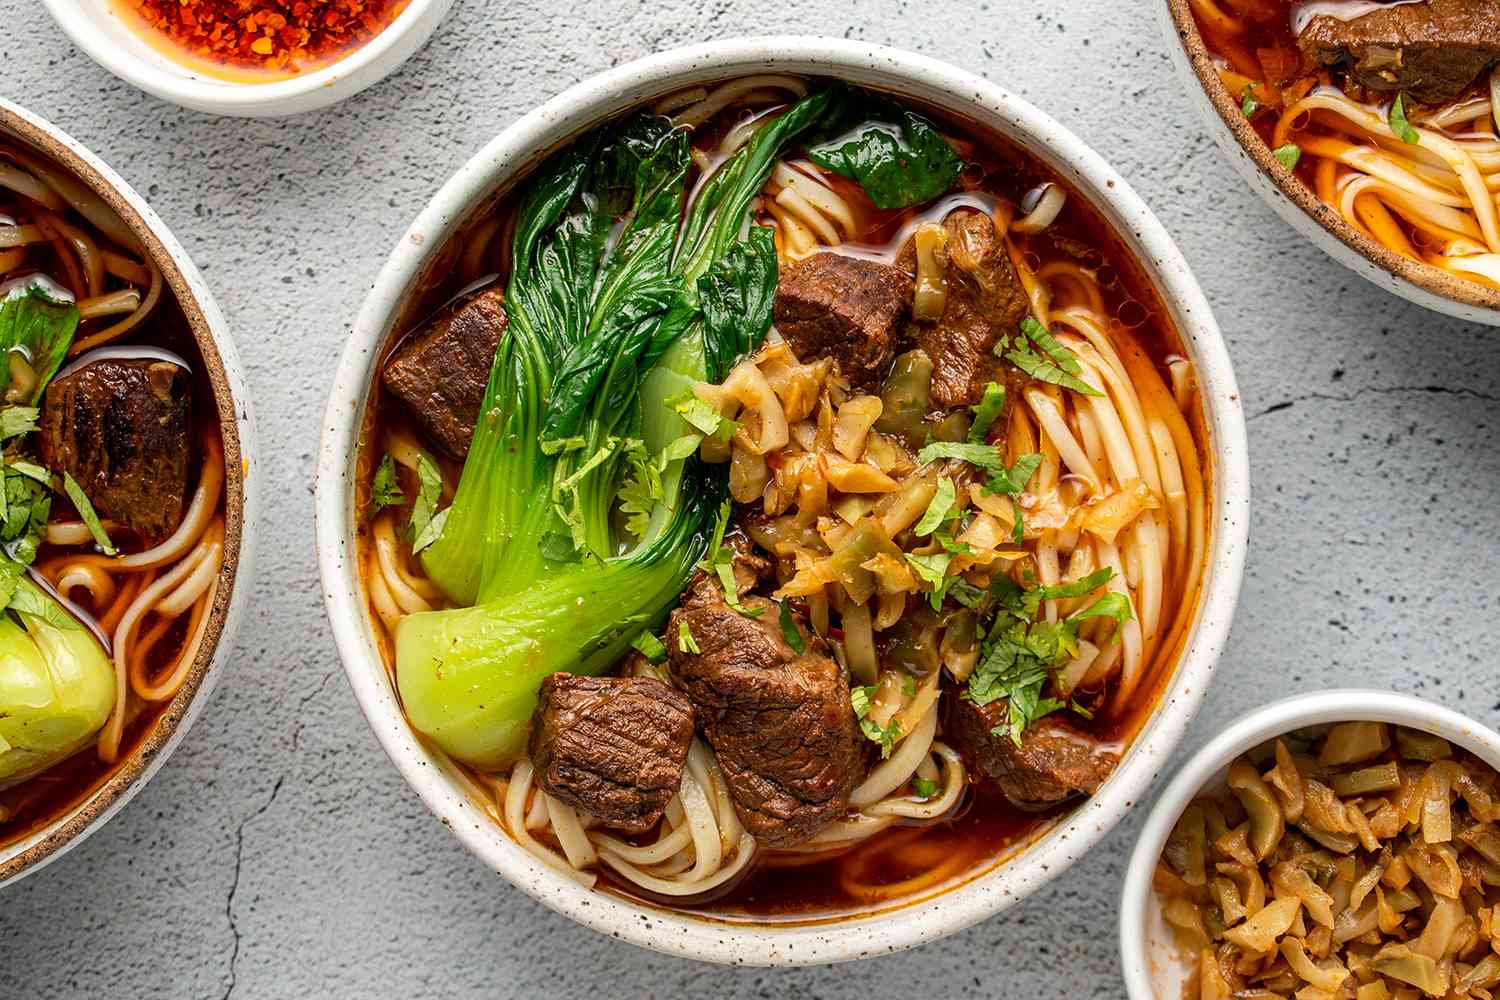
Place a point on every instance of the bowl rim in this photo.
(1259, 725)
(361, 68)
(1425, 277)
(509, 155)
(241, 489)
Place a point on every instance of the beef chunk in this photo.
(985, 301)
(611, 746)
(1433, 50)
(441, 372)
(844, 308)
(779, 721)
(119, 426)
(1055, 761)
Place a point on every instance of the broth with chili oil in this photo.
(783, 484)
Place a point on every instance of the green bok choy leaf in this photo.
(582, 506)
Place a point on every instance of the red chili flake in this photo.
(288, 35)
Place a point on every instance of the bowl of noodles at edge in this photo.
(792, 547)
(128, 512)
(1384, 154)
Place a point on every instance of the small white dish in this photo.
(1153, 966)
(111, 41)
(520, 147)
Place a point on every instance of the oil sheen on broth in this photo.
(972, 799)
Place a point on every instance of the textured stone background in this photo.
(279, 855)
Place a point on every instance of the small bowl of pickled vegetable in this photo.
(1342, 844)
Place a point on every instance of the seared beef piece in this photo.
(1055, 761)
(751, 567)
(441, 372)
(845, 308)
(985, 302)
(780, 722)
(1432, 50)
(120, 428)
(611, 746)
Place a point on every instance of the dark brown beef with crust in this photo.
(1055, 761)
(985, 301)
(845, 308)
(120, 428)
(780, 722)
(1432, 50)
(441, 372)
(613, 747)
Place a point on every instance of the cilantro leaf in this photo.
(1014, 479)
(908, 685)
(986, 456)
(1288, 155)
(924, 788)
(702, 416)
(685, 641)
(1055, 364)
(432, 532)
(789, 630)
(87, 513)
(720, 560)
(1248, 104)
(424, 508)
(986, 412)
(28, 502)
(1399, 123)
(933, 571)
(385, 491)
(1112, 605)
(886, 736)
(650, 647)
(1078, 588)
(938, 508)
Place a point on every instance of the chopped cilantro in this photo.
(16, 421)
(789, 630)
(86, 512)
(702, 416)
(986, 412)
(424, 508)
(938, 508)
(24, 510)
(886, 736)
(908, 685)
(1112, 605)
(1018, 529)
(1014, 479)
(720, 560)
(650, 646)
(933, 571)
(385, 491)
(685, 641)
(1399, 123)
(1080, 710)
(1078, 588)
(1055, 364)
(924, 788)
(1248, 104)
(986, 456)
(1288, 155)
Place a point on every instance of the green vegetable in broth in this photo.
(582, 506)
(57, 685)
(895, 155)
(37, 323)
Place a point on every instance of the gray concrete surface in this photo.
(279, 855)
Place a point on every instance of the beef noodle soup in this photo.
(112, 526)
(785, 500)
(1388, 111)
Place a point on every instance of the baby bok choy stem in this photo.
(582, 506)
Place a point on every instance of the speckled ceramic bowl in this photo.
(1154, 967)
(241, 477)
(1296, 203)
(97, 27)
(508, 157)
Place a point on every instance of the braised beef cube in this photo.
(845, 308)
(119, 426)
(779, 721)
(441, 372)
(984, 302)
(1433, 50)
(1054, 762)
(613, 747)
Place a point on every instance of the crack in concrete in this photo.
(1375, 390)
(301, 716)
(234, 885)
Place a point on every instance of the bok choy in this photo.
(582, 506)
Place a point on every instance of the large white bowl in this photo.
(97, 28)
(1155, 969)
(241, 490)
(508, 157)
(1278, 187)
